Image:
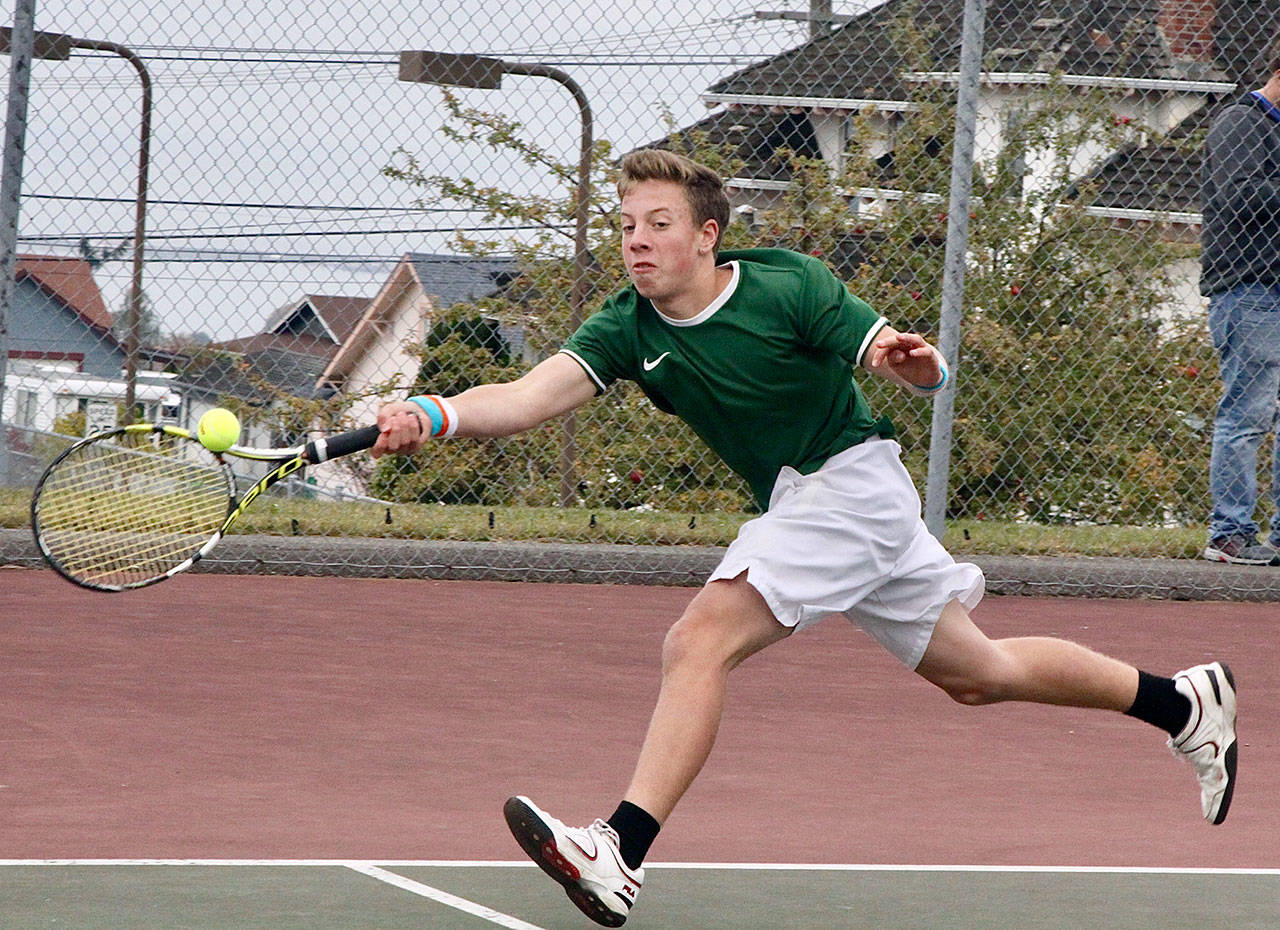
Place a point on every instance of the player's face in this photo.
(661, 246)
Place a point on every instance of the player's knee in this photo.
(977, 686)
(974, 677)
(687, 643)
(972, 692)
(703, 639)
(724, 625)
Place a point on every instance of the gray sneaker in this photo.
(1241, 550)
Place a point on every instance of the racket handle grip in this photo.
(332, 447)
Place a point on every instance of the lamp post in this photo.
(479, 71)
(57, 47)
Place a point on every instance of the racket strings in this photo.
(117, 515)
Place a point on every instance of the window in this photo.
(1014, 157)
(27, 405)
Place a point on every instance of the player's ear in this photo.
(709, 234)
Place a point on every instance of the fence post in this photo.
(935, 501)
(15, 133)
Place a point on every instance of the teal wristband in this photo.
(434, 412)
(942, 382)
(937, 387)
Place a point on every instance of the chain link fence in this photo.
(337, 214)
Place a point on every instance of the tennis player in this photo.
(755, 350)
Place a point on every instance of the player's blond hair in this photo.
(703, 188)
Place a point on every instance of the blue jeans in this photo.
(1245, 325)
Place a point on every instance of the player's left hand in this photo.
(906, 355)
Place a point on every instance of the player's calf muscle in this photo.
(1058, 671)
(1041, 670)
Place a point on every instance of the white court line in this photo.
(359, 864)
(287, 863)
(883, 867)
(443, 897)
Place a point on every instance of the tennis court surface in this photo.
(324, 895)
(226, 751)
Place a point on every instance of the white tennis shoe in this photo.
(1208, 741)
(586, 861)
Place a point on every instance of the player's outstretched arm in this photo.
(553, 387)
(906, 360)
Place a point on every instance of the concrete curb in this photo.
(1179, 579)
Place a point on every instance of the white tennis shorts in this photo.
(848, 539)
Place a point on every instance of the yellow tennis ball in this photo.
(218, 429)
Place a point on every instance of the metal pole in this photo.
(581, 260)
(15, 134)
(133, 317)
(819, 18)
(936, 484)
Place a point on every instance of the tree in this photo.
(100, 255)
(148, 325)
(1071, 405)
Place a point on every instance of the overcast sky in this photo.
(281, 106)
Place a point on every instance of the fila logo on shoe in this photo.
(650, 366)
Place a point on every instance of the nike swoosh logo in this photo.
(650, 366)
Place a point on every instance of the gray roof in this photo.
(256, 377)
(755, 136)
(1130, 38)
(1163, 176)
(862, 61)
(294, 373)
(1241, 31)
(453, 279)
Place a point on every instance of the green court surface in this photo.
(331, 895)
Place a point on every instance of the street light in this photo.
(485, 73)
(54, 46)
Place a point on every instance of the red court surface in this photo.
(273, 717)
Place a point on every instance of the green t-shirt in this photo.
(763, 375)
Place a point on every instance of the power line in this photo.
(611, 49)
(236, 256)
(569, 49)
(75, 238)
(244, 205)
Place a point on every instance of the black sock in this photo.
(636, 832)
(1160, 704)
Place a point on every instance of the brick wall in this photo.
(1187, 26)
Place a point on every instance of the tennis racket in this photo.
(132, 506)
